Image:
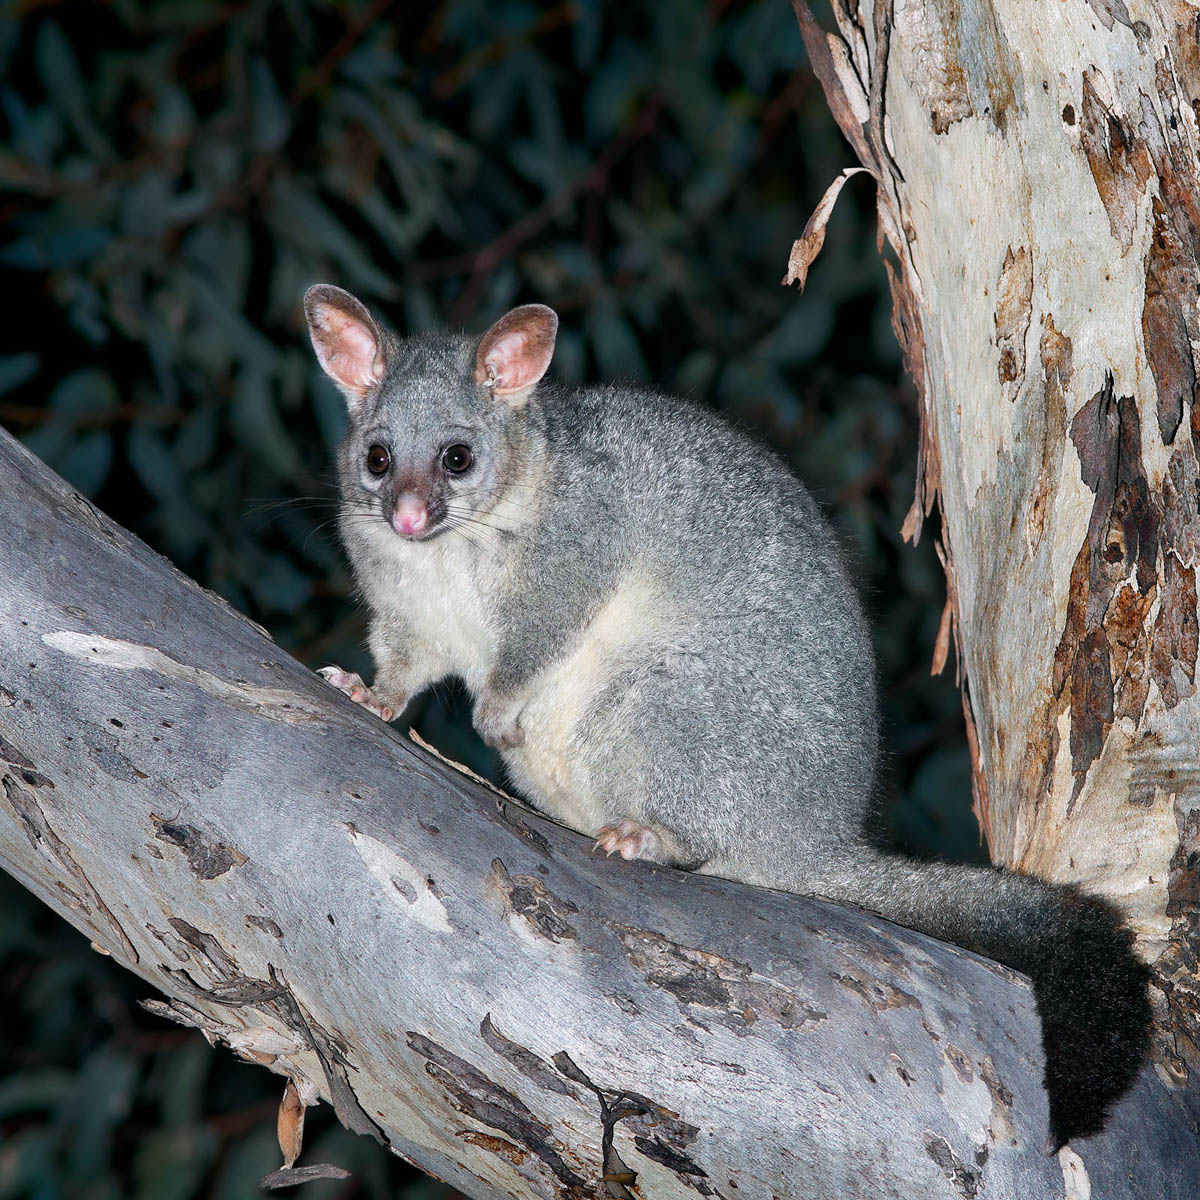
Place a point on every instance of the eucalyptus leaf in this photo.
(31, 1090)
(169, 1164)
(617, 352)
(48, 250)
(152, 463)
(255, 420)
(16, 369)
(302, 218)
(87, 462)
(272, 119)
(29, 1166)
(64, 83)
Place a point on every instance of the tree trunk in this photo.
(1040, 205)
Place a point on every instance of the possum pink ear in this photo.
(347, 341)
(514, 354)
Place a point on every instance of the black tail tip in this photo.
(1091, 991)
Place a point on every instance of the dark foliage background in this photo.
(174, 173)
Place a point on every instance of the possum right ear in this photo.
(348, 343)
(514, 354)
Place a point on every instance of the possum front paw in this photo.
(350, 683)
(631, 840)
(498, 721)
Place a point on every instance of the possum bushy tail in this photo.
(1089, 983)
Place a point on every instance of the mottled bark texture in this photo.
(463, 980)
(1039, 207)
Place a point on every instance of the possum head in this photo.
(436, 421)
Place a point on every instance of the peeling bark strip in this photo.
(1174, 643)
(79, 892)
(289, 1124)
(527, 897)
(808, 245)
(1170, 322)
(965, 1180)
(25, 768)
(476, 1096)
(535, 1069)
(1126, 155)
(333, 1061)
(1119, 162)
(289, 1177)
(1121, 550)
(1055, 355)
(207, 858)
(723, 987)
(659, 1134)
(1109, 652)
(1179, 967)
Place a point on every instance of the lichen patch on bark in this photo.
(527, 897)
(727, 990)
(206, 857)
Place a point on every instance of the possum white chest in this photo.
(431, 592)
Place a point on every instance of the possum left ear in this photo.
(348, 343)
(514, 354)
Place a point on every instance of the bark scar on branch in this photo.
(24, 804)
(276, 704)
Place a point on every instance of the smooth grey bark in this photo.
(462, 978)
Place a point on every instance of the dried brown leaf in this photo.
(941, 646)
(808, 245)
(289, 1124)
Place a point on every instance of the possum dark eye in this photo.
(456, 459)
(378, 460)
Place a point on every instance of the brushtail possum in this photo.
(663, 641)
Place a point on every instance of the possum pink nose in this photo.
(411, 515)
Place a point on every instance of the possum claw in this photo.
(351, 684)
(630, 840)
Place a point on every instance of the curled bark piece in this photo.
(808, 245)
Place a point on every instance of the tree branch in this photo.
(461, 978)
